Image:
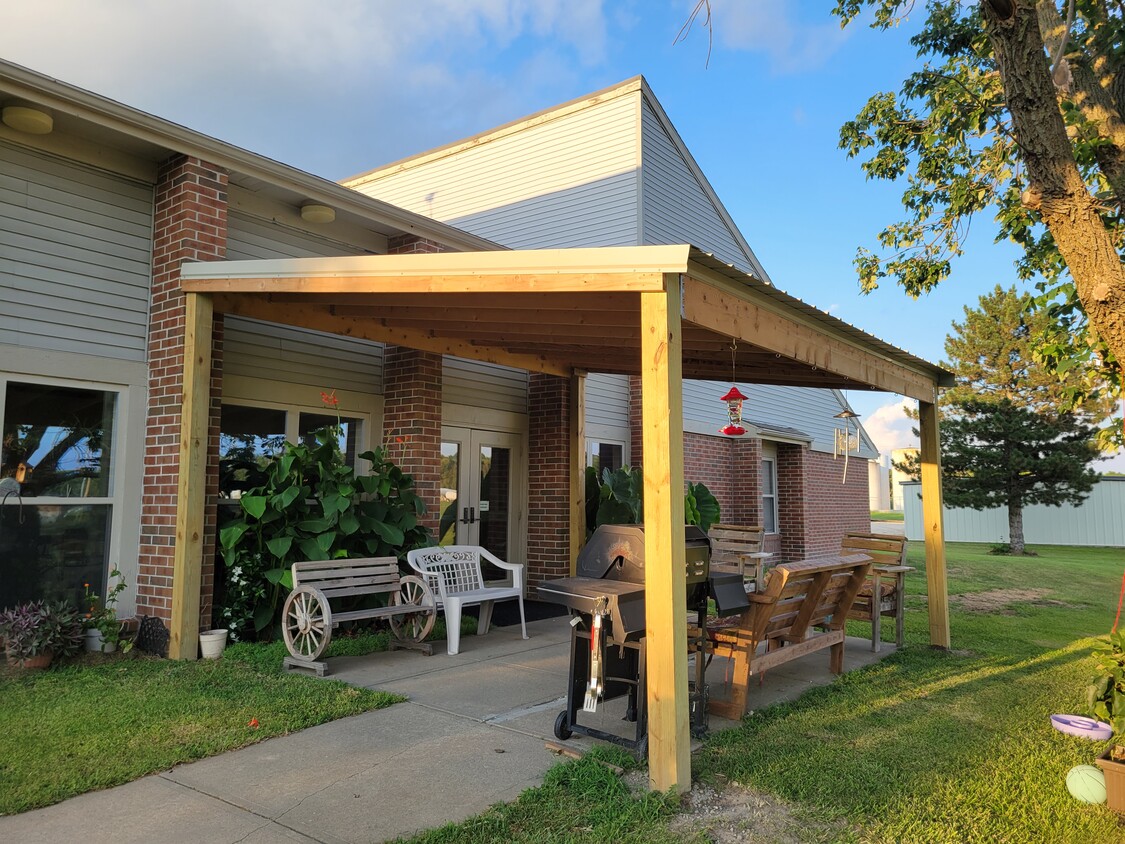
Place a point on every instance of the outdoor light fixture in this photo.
(734, 400)
(846, 441)
(313, 212)
(29, 120)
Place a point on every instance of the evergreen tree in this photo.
(1004, 440)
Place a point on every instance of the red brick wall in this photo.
(190, 224)
(746, 483)
(710, 461)
(834, 506)
(636, 431)
(410, 244)
(791, 499)
(548, 487)
(412, 421)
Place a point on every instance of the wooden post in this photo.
(188, 557)
(577, 411)
(934, 536)
(669, 749)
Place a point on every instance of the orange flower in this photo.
(329, 398)
(253, 723)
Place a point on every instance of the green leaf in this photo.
(254, 505)
(286, 497)
(389, 534)
(275, 575)
(279, 546)
(348, 523)
(325, 540)
(310, 549)
(232, 533)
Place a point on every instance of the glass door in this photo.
(479, 489)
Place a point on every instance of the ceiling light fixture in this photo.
(26, 119)
(313, 212)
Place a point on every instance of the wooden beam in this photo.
(187, 558)
(317, 317)
(577, 412)
(669, 751)
(582, 311)
(733, 316)
(932, 513)
(493, 284)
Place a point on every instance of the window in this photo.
(605, 455)
(58, 445)
(769, 494)
(250, 435)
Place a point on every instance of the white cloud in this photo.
(889, 427)
(388, 79)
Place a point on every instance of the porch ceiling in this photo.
(560, 311)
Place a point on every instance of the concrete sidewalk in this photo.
(471, 735)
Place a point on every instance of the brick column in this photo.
(746, 482)
(636, 434)
(792, 503)
(412, 421)
(411, 244)
(190, 224)
(548, 487)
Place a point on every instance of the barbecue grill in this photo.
(608, 591)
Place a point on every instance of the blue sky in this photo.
(338, 88)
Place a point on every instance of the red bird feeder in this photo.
(734, 400)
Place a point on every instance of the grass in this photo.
(104, 721)
(925, 746)
(886, 516)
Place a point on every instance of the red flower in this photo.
(329, 398)
(253, 723)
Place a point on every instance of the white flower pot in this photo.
(212, 642)
(96, 643)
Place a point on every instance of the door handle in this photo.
(464, 515)
(472, 515)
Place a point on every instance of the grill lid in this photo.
(617, 552)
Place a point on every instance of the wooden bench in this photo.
(884, 592)
(738, 548)
(800, 609)
(307, 617)
(453, 572)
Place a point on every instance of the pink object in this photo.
(1076, 725)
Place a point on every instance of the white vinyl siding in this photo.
(809, 410)
(675, 207)
(75, 252)
(607, 404)
(569, 181)
(283, 353)
(476, 384)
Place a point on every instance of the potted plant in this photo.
(1105, 697)
(36, 632)
(103, 627)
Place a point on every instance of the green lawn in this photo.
(104, 721)
(926, 746)
(886, 516)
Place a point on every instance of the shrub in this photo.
(37, 627)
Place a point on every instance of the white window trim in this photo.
(592, 441)
(771, 496)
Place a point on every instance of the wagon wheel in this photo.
(306, 622)
(413, 626)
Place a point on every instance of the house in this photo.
(102, 204)
(610, 169)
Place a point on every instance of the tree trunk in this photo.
(1015, 526)
(1056, 188)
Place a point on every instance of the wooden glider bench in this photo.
(739, 548)
(801, 609)
(884, 592)
(307, 618)
(453, 572)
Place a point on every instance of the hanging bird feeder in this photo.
(734, 400)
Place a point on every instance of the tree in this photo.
(986, 123)
(1005, 441)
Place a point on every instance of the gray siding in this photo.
(675, 207)
(75, 257)
(477, 384)
(568, 181)
(607, 403)
(808, 410)
(295, 355)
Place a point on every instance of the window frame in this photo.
(770, 497)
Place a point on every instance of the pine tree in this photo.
(1004, 441)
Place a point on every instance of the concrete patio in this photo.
(472, 734)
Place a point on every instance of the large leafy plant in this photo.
(37, 627)
(619, 500)
(312, 506)
(1105, 696)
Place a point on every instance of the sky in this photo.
(337, 88)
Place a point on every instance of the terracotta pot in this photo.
(1114, 781)
(32, 663)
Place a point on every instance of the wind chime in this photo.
(846, 440)
(734, 400)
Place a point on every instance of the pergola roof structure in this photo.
(664, 313)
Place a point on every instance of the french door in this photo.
(481, 490)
